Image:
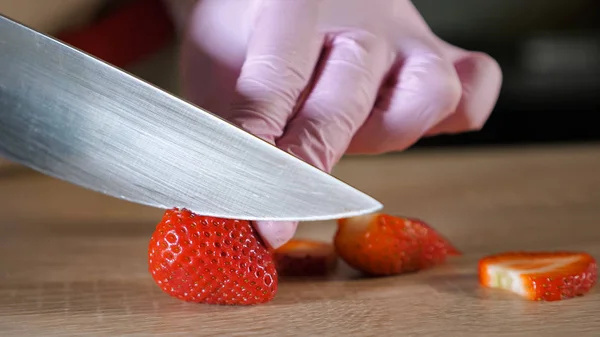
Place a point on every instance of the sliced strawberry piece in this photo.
(540, 276)
(300, 257)
(381, 244)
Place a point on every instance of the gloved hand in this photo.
(320, 78)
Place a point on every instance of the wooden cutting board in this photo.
(74, 262)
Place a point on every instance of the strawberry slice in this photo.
(382, 244)
(299, 257)
(540, 276)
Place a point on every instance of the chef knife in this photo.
(73, 117)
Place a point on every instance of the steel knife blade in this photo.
(73, 117)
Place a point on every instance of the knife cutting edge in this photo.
(76, 118)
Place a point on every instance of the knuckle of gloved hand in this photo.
(365, 52)
(338, 114)
(485, 64)
(354, 71)
(445, 90)
(272, 78)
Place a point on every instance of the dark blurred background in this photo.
(549, 51)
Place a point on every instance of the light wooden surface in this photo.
(74, 262)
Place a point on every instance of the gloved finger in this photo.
(283, 50)
(339, 102)
(422, 90)
(276, 233)
(209, 83)
(341, 99)
(481, 79)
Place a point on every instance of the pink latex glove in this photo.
(320, 78)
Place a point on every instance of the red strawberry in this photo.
(540, 276)
(300, 257)
(381, 244)
(210, 260)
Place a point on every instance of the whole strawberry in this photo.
(381, 244)
(211, 260)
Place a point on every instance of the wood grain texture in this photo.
(74, 262)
